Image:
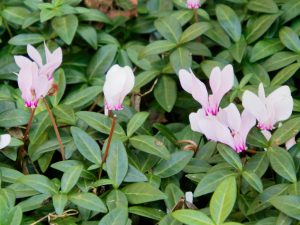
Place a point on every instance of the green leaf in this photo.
(80, 98)
(86, 145)
(165, 131)
(258, 163)
(138, 193)
(89, 34)
(60, 79)
(95, 15)
(253, 180)
(117, 162)
(40, 183)
(14, 118)
(152, 213)
(64, 114)
(157, 47)
(134, 175)
(165, 93)
(265, 48)
(197, 48)
(33, 202)
(150, 145)
(88, 201)
(144, 78)
(256, 138)
(169, 28)
(288, 204)
(285, 74)
(267, 6)
(288, 130)
(291, 9)
(117, 216)
(174, 193)
(238, 49)
(101, 123)
(210, 181)
(181, 58)
(169, 220)
(230, 156)
(15, 15)
(70, 178)
(24, 39)
(39, 126)
(15, 215)
(229, 21)
(290, 39)
(136, 122)
(259, 26)
(192, 217)
(223, 200)
(101, 61)
(279, 60)
(115, 199)
(65, 27)
(59, 203)
(218, 35)
(172, 166)
(194, 31)
(282, 162)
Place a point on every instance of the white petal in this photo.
(261, 92)
(4, 140)
(233, 117)
(281, 101)
(22, 61)
(267, 134)
(34, 55)
(290, 143)
(215, 79)
(223, 135)
(255, 106)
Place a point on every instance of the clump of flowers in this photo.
(227, 125)
(35, 79)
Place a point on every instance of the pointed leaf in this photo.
(88, 201)
(117, 216)
(288, 204)
(136, 122)
(192, 217)
(165, 93)
(230, 156)
(70, 178)
(65, 27)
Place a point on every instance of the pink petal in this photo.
(22, 61)
(247, 122)
(233, 117)
(281, 101)
(255, 106)
(25, 79)
(261, 92)
(194, 119)
(227, 79)
(215, 79)
(34, 55)
(267, 134)
(223, 135)
(191, 84)
(208, 128)
(290, 143)
(4, 140)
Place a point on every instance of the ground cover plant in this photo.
(161, 112)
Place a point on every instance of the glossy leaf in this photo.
(136, 122)
(65, 27)
(192, 217)
(165, 93)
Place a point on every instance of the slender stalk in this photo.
(61, 147)
(108, 144)
(25, 136)
(196, 15)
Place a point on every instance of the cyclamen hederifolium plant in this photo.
(149, 112)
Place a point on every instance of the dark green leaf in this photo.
(89, 34)
(88, 201)
(288, 204)
(117, 216)
(136, 122)
(14, 118)
(147, 212)
(192, 217)
(267, 6)
(165, 93)
(265, 48)
(253, 180)
(230, 156)
(169, 28)
(181, 58)
(285, 74)
(194, 31)
(65, 27)
(157, 47)
(70, 178)
(290, 39)
(24, 39)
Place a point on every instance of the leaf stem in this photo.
(112, 128)
(61, 147)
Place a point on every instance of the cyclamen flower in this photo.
(221, 81)
(4, 140)
(193, 4)
(228, 127)
(35, 79)
(118, 83)
(278, 106)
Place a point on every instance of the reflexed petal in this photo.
(194, 121)
(22, 61)
(208, 127)
(191, 84)
(215, 79)
(281, 101)
(4, 140)
(34, 55)
(233, 117)
(261, 92)
(227, 80)
(255, 106)
(223, 134)
(129, 83)
(25, 79)
(247, 122)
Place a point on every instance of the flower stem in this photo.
(108, 144)
(25, 136)
(55, 129)
(196, 15)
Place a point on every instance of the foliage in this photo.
(147, 171)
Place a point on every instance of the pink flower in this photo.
(35, 79)
(118, 83)
(4, 140)
(228, 127)
(193, 4)
(278, 106)
(221, 81)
